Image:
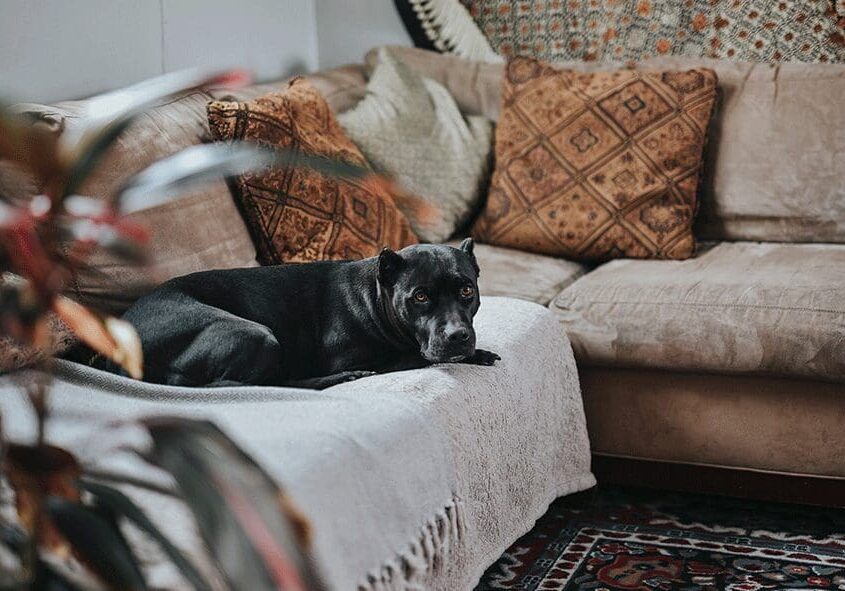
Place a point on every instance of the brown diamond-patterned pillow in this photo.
(595, 166)
(298, 215)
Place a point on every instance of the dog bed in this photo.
(411, 480)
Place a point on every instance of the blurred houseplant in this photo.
(44, 239)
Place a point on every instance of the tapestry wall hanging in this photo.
(623, 30)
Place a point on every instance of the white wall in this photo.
(61, 49)
(347, 29)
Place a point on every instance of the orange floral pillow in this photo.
(298, 215)
(595, 166)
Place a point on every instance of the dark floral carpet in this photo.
(615, 538)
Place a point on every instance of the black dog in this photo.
(313, 325)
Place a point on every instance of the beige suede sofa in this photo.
(734, 359)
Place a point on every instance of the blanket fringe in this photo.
(449, 26)
(426, 554)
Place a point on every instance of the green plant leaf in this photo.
(87, 233)
(199, 164)
(108, 115)
(120, 505)
(47, 579)
(98, 542)
(114, 338)
(236, 504)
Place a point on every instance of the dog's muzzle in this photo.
(452, 346)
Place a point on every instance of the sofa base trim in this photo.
(772, 424)
(719, 480)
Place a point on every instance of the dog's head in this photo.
(433, 294)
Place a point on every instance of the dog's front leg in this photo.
(481, 357)
(404, 362)
(323, 382)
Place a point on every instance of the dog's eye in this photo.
(467, 291)
(420, 296)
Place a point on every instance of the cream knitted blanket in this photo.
(411, 480)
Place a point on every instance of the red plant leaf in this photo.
(113, 338)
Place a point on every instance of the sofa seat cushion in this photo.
(762, 308)
(522, 275)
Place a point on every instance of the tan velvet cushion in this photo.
(342, 87)
(299, 215)
(778, 154)
(523, 275)
(595, 166)
(198, 232)
(775, 309)
(775, 152)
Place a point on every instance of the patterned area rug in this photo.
(643, 540)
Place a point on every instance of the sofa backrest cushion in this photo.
(776, 148)
(196, 231)
(776, 161)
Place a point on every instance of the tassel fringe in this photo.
(427, 554)
(449, 26)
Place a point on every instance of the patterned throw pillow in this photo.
(411, 128)
(595, 166)
(298, 215)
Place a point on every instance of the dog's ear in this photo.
(467, 246)
(389, 264)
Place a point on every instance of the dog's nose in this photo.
(459, 335)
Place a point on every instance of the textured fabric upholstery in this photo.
(523, 275)
(777, 154)
(596, 166)
(476, 86)
(774, 309)
(410, 128)
(198, 230)
(342, 87)
(751, 422)
(775, 151)
(296, 214)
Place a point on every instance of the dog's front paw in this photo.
(482, 357)
(352, 375)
